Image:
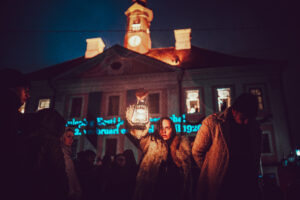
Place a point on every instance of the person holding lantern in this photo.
(165, 169)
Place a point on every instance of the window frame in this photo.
(215, 95)
(159, 102)
(271, 157)
(266, 104)
(105, 103)
(39, 102)
(119, 105)
(201, 101)
(83, 105)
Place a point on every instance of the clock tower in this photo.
(139, 17)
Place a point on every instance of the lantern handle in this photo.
(141, 94)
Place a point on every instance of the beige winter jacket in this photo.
(155, 152)
(210, 151)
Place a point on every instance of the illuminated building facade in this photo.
(185, 82)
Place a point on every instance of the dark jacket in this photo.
(42, 164)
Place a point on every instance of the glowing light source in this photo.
(192, 101)
(135, 40)
(94, 47)
(140, 115)
(136, 27)
(298, 152)
(22, 108)
(224, 100)
(182, 38)
(43, 103)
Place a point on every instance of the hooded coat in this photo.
(155, 152)
(211, 153)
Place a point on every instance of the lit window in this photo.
(43, 103)
(258, 93)
(153, 100)
(22, 108)
(76, 107)
(192, 101)
(136, 27)
(113, 105)
(223, 98)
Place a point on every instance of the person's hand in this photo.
(138, 133)
(141, 94)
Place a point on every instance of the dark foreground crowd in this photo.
(223, 162)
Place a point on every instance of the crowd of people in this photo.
(222, 163)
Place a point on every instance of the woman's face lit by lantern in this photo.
(166, 129)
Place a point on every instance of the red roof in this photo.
(199, 58)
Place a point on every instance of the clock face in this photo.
(135, 40)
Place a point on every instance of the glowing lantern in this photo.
(298, 152)
(140, 115)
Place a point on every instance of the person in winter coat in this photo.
(165, 169)
(41, 166)
(74, 186)
(227, 151)
(14, 87)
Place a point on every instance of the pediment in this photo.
(118, 61)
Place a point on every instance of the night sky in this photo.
(36, 34)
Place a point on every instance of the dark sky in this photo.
(37, 33)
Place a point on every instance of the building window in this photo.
(136, 27)
(223, 98)
(113, 105)
(22, 108)
(153, 100)
(110, 147)
(266, 143)
(43, 103)
(76, 107)
(258, 93)
(192, 101)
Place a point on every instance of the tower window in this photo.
(136, 26)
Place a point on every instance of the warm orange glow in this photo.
(169, 55)
(135, 40)
(183, 38)
(94, 47)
